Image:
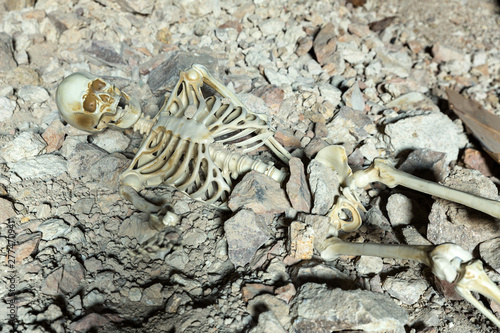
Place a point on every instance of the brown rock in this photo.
(325, 43)
(272, 96)
(54, 136)
(415, 46)
(314, 146)
(27, 245)
(297, 187)
(301, 240)
(287, 139)
(381, 24)
(250, 290)
(232, 25)
(6, 210)
(259, 193)
(305, 45)
(65, 279)
(474, 159)
(444, 53)
(92, 320)
(286, 292)
(360, 30)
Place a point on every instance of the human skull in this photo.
(89, 103)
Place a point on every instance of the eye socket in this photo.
(89, 103)
(98, 85)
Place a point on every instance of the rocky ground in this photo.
(325, 72)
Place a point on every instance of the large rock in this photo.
(320, 309)
(432, 131)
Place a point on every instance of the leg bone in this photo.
(449, 262)
(382, 172)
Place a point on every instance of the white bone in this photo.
(447, 262)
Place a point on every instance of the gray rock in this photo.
(53, 228)
(297, 187)
(33, 94)
(103, 52)
(434, 131)
(400, 210)
(52, 313)
(107, 170)
(490, 253)
(427, 164)
(406, 290)
(279, 309)
(324, 185)
(351, 53)
(330, 93)
(7, 107)
(452, 222)
(25, 145)
(42, 166)
(277, 78)
(83, 206)
(268, 323)
(246, 232)
(65, 279)
(7, 61)
(152, 296)
(83, 158)
(164, 77)
(143, 7)
(260, 193)
(369, 265)
(272, 26)
(347, 310)
(413, 101)
(135, 227)
(325, 44)
(111, 141)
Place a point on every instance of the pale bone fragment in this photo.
(382, 171)
(448, 262)
(179, 144)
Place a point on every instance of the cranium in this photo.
(89, 103)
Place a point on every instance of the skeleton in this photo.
(186, 145)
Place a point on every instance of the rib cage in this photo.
(177, 150)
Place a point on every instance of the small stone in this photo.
(107, 170)
(137, 7)
(268, 323)
(33, 94)
(331, 94)
(314, 146)
(152, 296)
(54, 136)
(297, 186)
(412, 101)
(65, 279)
(6, 210)
(260, 193)
(301, 240)
(325, 43)
(7, 61)
(7, 107)
(427, 164)
(27, 245)
(347, 310)
(477, 160)
(444, 53)
(272, 96)
(407, 291)
(83, 157)
(400, 210)
(279, 308)
(52, 313)
(272, 26)
(90, 321)
(25, 145)
(250, 290)
(286, 293)
(246, 232)
(135, 228)
(104, 53)
(43, 167)
(360, 30)
(111, 141)
(324, 185)
(490, 253)
(53, 228)
(305, 45)
(287, 139)
(277, 78)
(369, 265)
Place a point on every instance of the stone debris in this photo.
(363, 74)
(363, 311)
